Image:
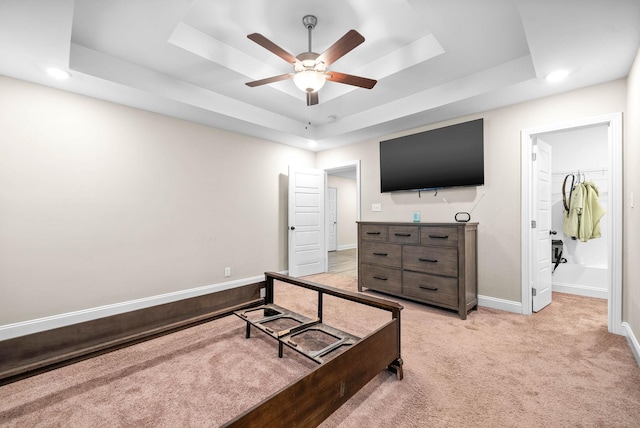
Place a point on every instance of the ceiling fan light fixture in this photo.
(309, 80)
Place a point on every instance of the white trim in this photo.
(580, 290)
(356, 164)
(614, 224)
(633, 341)
(23, 328)
(327, 170)
(526, 193)
(346, 247)
(500, 304)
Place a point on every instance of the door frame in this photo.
(614, 223)
(335, 168)
(327, 193)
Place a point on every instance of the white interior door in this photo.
(307, 253)
(332, 219)
(541, 288)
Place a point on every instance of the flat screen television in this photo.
(445, 157)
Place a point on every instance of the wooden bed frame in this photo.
(311, 399)
(305, 402)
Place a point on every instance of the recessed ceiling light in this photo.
(556, 76)
(312, 143)
(58, 73)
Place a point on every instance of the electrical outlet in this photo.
(376, 207)
(227, 271)
(263, 292)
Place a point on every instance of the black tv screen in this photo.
(444, 157)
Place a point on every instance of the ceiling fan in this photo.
(311, 68)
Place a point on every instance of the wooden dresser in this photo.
(434, 263)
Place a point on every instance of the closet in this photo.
(579, 156)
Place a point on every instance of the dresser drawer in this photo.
(434, 260)
(374, 232)
(381, 253)
(435, 289)
(381, 278)
(439, 236)
(404, 234)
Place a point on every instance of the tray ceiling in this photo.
(433, 60)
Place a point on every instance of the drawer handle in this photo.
(292, 343)
(402, 234)
(428, 260)
(373, 233)
(426, 287)
(383, 278)
(439, 236)
(380, 254)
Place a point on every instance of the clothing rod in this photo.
(582, 171)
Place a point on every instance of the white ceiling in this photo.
(434, 60)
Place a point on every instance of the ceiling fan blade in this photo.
(349, 79)
(312, 98)
(270, 80)
(269, 45)
(346, 43)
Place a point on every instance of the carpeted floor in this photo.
(557, 368)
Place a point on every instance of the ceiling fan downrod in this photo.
(309, 22)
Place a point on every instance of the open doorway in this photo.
(611, 225)
(342, 213)
(580, 156)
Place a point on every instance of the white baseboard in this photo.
(500, 304)
(581, 290)
(23, 328)
(346, 247)
(633, 341)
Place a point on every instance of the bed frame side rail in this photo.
(311, 399)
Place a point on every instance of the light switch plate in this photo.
(376, 207)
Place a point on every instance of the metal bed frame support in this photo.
(316, 395)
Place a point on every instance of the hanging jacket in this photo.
(582, 221)
(592, 212)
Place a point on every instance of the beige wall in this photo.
(347, 204)
(498, 213)
(101, 203)
(631, 236)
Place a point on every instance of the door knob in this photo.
(293, 228)
(553, 232)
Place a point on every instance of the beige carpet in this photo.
(558, 368)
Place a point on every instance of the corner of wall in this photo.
(633, 342)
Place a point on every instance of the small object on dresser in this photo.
(462, 217)
(416, 217)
